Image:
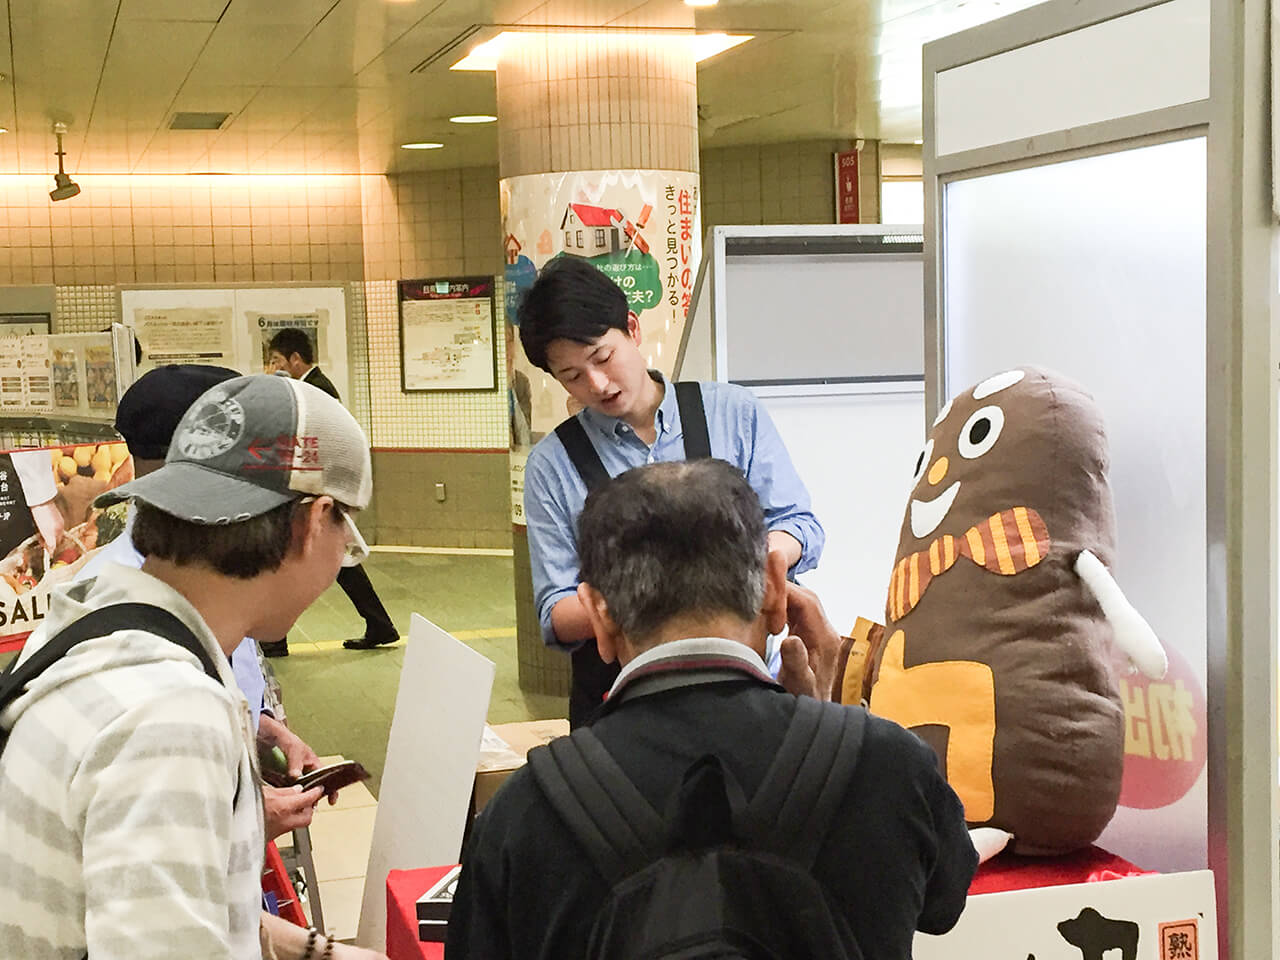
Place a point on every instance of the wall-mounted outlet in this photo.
(440, 493)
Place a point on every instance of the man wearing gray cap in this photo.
(128, 783)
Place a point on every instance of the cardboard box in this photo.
(503, 750)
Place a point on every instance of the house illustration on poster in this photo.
(591, 231)
(512, 247)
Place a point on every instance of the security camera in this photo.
(64, 188)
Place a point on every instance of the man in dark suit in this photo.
(291, 351)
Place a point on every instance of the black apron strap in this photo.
(693, 420)
(585, 459)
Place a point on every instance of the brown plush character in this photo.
(1001, 613)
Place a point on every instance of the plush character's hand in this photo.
(988, 841)
(1132, 633)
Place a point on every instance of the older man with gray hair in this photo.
(849, 809)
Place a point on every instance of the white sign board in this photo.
(1159, 917)
(432, 754)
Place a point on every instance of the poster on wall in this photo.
(66, 359)
(49, 527)
(446, 335)
(184, 335)
(640, 228)
(247, 317)
(264, 326)
(12, 393)
(36, 378)
(24, 324)
(101, 391)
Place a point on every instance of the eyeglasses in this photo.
(357, 550)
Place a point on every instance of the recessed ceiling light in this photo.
(700, 3)
(705, 45)
(4, 129)
(473, 118)
(421, 146)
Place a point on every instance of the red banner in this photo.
(847, 187)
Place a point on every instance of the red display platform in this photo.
(1001, 873)
(404, 887)
(1008, 871)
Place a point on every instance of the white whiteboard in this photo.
(1095, 268)
(824, 316)
(855, 450)
(247, 310)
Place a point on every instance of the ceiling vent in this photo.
(198, 121)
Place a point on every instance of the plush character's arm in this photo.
(1132, 632)
(989, 841)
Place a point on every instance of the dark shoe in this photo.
(368, 643)
(277, 648)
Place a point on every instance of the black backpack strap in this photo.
(807, 781)
(585, 459)
(600, 805)
(100, 623)
(693, 420)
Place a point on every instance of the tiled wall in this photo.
(198, 229)
(364, 232)
(779, 183)
(475, 511)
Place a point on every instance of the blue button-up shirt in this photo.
(741, 433)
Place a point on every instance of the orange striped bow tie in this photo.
(1006, 543)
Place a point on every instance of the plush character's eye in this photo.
(981, 431)
(925, 456)
(1001, 381)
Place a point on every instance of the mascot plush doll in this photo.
(1002, 614)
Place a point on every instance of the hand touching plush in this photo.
(812, 646)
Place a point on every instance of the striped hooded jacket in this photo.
(130, 818)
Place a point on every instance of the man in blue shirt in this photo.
(575, 324)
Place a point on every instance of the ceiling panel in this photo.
(325, 85)
(247, 54)
(207, 11)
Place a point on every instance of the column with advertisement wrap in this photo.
(640, 228)
(598, 158)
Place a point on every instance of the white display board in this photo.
(1152, 58)
(805, 317)
(1166, 917)
(855, 447)
(1095, 268)
(230, 327)
(432, 752)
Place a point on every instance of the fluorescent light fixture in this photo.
(704, 45)
(473, 118)
(700, 3)
(421, 145)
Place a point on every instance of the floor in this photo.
(341, 701)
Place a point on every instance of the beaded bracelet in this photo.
(312, 935)
(328, 947)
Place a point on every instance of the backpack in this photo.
(94, 624)
(718, 876)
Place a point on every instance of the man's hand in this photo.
(300, 756)
(810, 651)
(288, 808)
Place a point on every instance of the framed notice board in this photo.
(447, 335)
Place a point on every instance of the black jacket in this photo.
(898, 859)
(317, 379)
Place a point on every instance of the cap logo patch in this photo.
(211, 429)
